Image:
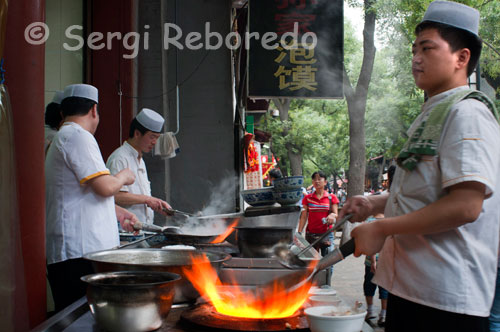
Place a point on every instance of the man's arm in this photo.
(108, 185)
(460, 206)
(123, 198)
(303, 219)
(126, 218)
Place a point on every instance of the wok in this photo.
(260, 241)
(155, 260)
(202, 229)
(294, 281)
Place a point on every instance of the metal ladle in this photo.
(294, 281)
(292, 261)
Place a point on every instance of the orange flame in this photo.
(231, 300)
(228, 231)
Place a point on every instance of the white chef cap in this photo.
(81, 90)
(58, 97)
(150, 120)
(454, 14)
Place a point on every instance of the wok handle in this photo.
(333, 229)
(337, 255)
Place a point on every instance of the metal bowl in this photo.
(156, 260)
(255, 242)
(130, 301)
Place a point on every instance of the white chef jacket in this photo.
(49, 135)
(454, 270)
(126, 157)
(78, 220)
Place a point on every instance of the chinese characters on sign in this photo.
(297, 69)
(303, 74)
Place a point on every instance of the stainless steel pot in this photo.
(156, 260)
(255, 242)
(130, 301)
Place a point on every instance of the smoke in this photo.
(221, 201)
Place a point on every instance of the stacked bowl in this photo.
(288, 190)
(259, 197)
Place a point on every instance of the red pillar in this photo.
(110, 72)
(24, 64)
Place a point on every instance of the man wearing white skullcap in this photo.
(144, 132)
(439, 240)
(80, 209)
(53, 118)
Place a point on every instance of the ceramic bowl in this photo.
(289, 197)
(259, 197)
(324, 300)
(288, 183)
(322, 291)
(321, 319)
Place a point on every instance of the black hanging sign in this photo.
(296, 49)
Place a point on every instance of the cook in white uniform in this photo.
(80, 210)
(53, 118)
(440, 237)
(144, 132)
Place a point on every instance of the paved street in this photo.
(348, 282)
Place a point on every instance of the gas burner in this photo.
(206, 315)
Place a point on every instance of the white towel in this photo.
(166, 146)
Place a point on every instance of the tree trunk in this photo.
(356, 105)
(294, 158)
(381, 171)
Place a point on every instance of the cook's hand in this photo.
(369, 239)
(359, 206)
(127, 219)
(126, 176)
(158, 205)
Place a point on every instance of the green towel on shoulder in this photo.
(425, 139)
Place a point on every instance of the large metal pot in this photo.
(156, 260)
(255, 242)
(289, 219)
(130, 301)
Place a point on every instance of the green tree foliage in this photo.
(398, 18)
(317, 129)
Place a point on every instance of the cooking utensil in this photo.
(181, 238)
(203, 229)
(174, 211)
(136, 242)
(292, 261)
(293, 281)
(156, 260)
(260, 241)
(154, 228)
(130, 301)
